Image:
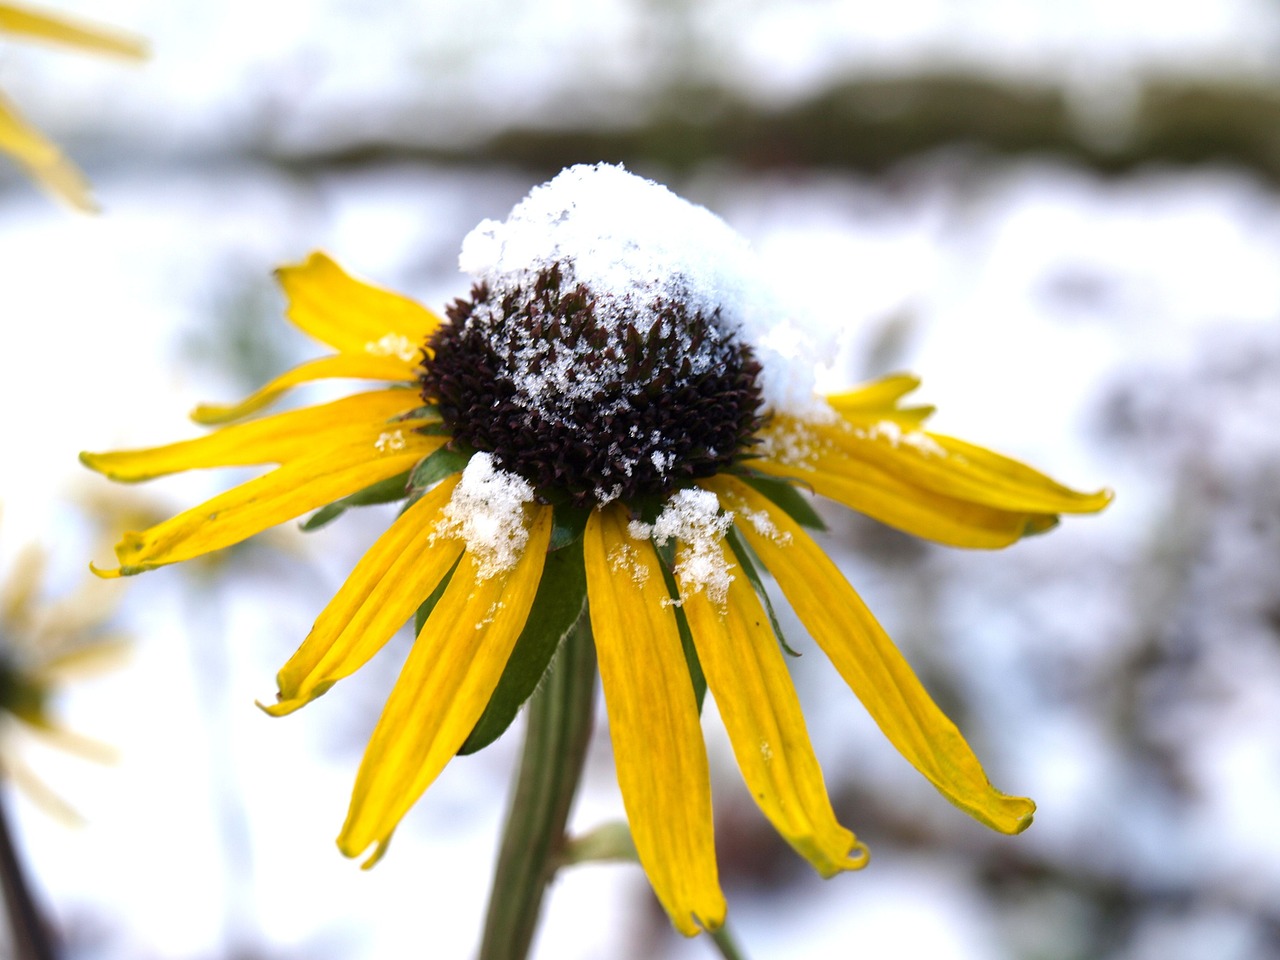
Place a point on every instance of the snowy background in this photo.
(1065, 217)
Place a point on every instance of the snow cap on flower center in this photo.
(604, 351)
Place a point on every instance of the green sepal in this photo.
(427, 412)
(440, 429)
(384, 491)
(429, 604)
(784, 496)
(609, 842)
(568, 524)
(560, 601)
(667, 554)
(747, 560)
(434, 468)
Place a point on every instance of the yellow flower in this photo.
(42, 644)
(601, 420)
(41, 157)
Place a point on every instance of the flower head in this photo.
(42, 644)
(602, 419)
(40, 156)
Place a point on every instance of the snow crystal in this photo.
(895, 436)
(763, 524)
(633, 242)
(626, 557)
(390, 441)
(393, 345)
(693, 518)
(789, 442)
(486, 510)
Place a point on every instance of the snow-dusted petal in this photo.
(57, 28)
(452, 670)
(353, 316)
(396, 574)
(277, 439)
(912, 509)
(284, 493)
(868, 661)
(42, 159)
(757, 702)
(956, 469)
(658, 751)
(344, 365)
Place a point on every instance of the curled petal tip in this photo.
(280, 708)
(291, 697)
(1025, 820)
(349, 849)
(106, 574)
(858, 857)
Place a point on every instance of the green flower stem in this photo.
(29, 935)
(559, 727)
(725, 945)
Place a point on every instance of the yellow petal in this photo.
(397, 573)
(19, 590)
(958, 469)
(880, 394)
(42, 159)
(252, 507)
(445, 685)
(352, 316)
(912, 509)
(653, 721)
(278, 439)
(868, 661)
(68, 30)
(757, 702)
(353, 366)
(879, 399)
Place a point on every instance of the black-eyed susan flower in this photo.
(43, 643)
(607, 419)
(40, 156)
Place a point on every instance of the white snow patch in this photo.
(633, 242)
(393, 345)
(390, 441)
(789, 442)
(763, 524)
(892, 433)
(626, 557)
(693, 518)
(486, 511)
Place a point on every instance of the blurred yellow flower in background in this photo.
(44, 643)
(42, 158)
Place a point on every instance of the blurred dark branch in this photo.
(30, 937)
(873, 124)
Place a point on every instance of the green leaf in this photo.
(696, 676)
(568, 525)
(429, 604)
(384, 491)
(434, 468)
(786, 497)
(560, 600)
(747, 560)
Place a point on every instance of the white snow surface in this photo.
(633, 243)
